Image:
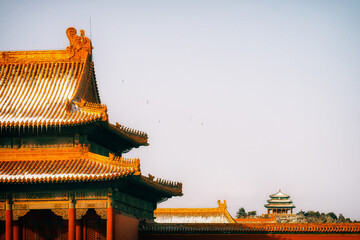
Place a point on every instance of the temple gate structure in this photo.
(62, 174)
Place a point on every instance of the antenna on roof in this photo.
(90, 30)
(92, 54)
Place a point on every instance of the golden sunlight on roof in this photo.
(194, 215)
(54, 88)
(46, 87)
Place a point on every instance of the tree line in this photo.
(241, 213)
(309, 216)
(317, 217)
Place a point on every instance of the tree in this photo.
(313, 214)
(251, 213)
(332, 215)
(301, 213)
(341, 218)
(241, 213)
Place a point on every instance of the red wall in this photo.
(249, 236)
(126, 228)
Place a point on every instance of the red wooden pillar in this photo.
(78, 229)
(8, 221)
(110, 218)
(84, 229)
(16, 231)
(110, 223)
(71, 213)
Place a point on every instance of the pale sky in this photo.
(239, 98)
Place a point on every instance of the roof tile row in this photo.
(250, 228)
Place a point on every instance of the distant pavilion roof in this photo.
(279, 200)
(279, 195)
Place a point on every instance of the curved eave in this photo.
(68, 178)
(279, 195)
(279, 201)
(59, 179)
(279, 206)
(132, 136)
(60, 165)
(168, 189)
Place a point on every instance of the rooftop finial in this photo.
(80, 46)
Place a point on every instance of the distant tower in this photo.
(279, 203)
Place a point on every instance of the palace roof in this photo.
(73, 164)
(194, 215)
(54, 88)
(62, 165)
(47, 91)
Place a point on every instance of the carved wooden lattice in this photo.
(80, 213)
(61, 212)
(95, 229)
(2, 230)
(2, 215)
(63, 231)
(101, 212)
(19, 213)
(44, 226)
(91, 229)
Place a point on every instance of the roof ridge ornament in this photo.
(80, 46)
(222, 205)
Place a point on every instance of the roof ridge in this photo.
(37, 56)
(56, 152)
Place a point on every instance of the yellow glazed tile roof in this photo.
(44, 93)
(74, 164)
(62, 165)
(194, 215)
(54, 88)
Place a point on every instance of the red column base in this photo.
(16, 230)
(78, 229)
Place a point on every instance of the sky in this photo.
(239, 98)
